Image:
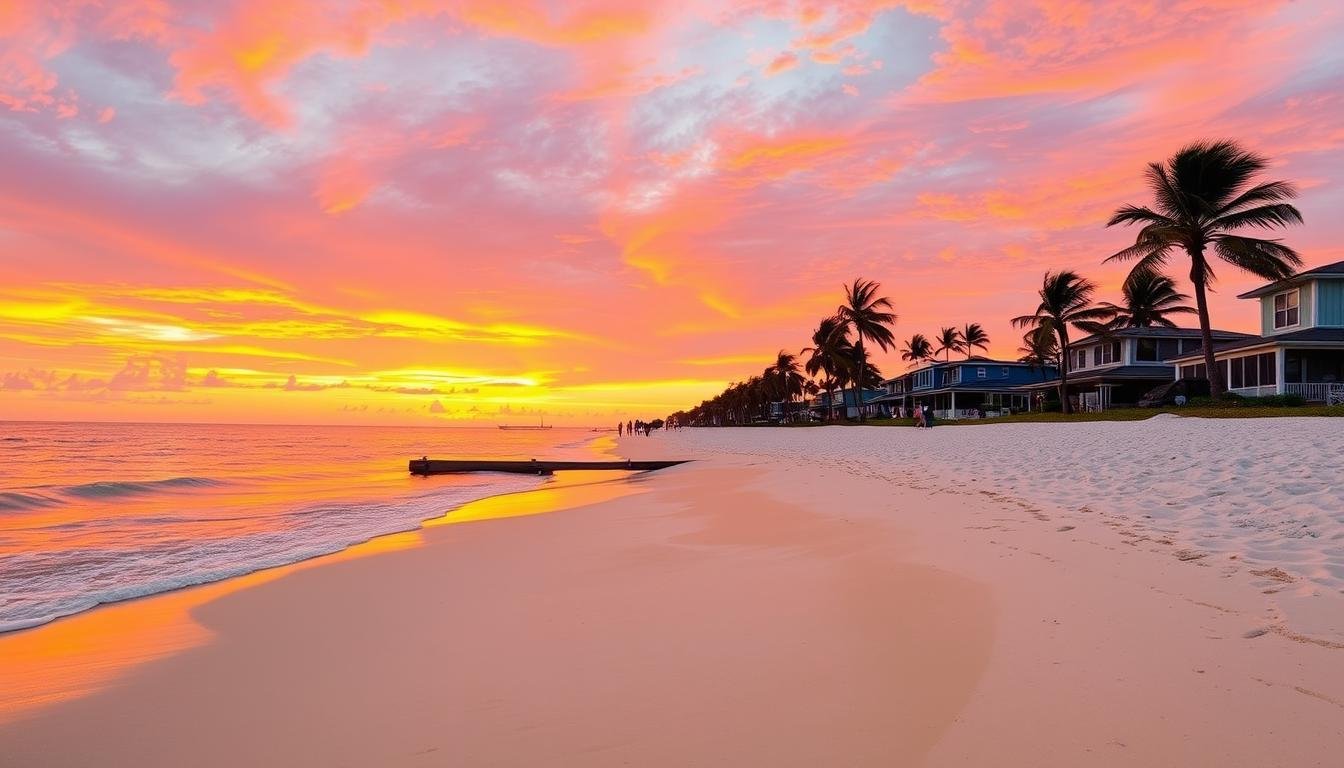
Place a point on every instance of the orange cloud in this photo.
(781, 63)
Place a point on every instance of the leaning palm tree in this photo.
(1203, 198)
(972, 335)
(1149, 299)
(830, 353)
(949, 341)
(787, 379)
(866, 314)
(917, 349)
(1066, 299)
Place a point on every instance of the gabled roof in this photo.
(1326, 272)
(1307, 336)
(1158, 332)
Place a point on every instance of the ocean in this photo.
(96, 513)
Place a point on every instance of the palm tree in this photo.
(949, 341)
(972, 335)
(866, 314)
(786, 379)
(830, 353)
(917, 348)
(1203, 198)
(1149, 297)
(1066, 299)
(1040, 348)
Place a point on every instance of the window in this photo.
(1168, 348)
(1193, 371)
(1269, 369)
(1106, 353)
(1286, 313)
(1145, 350)
(1081, 360)
(980, 373)
(1255, 371)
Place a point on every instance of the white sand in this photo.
(1240, 495)
(797, 598)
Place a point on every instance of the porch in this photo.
(1315, 374)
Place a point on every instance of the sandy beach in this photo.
(793, 598)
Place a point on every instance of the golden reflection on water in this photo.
(78, 655)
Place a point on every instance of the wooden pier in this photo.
(429, 466)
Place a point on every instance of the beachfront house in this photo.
(1120, 367)
(846, 404)
(1300, 349)
(961, 389)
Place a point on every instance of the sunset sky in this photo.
(412, 211)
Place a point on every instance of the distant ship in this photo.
(542, 425)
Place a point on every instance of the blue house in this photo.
(1300, 349)
(960, 389)
(1121, 366)
(846, 404)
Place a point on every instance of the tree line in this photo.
(1204, 197)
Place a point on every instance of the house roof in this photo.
(1307, 336)
(1333, 271)
(1122, 372)
(1159, 332)
(975, 360)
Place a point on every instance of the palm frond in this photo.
(1134, 214)
(1269, 259)
(1269, 192)
(1266, 216)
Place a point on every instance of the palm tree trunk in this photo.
(861, 360)
(1064, 370)
(1198, 276)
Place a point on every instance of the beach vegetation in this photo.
(1204, 196)
(1066, 300)
(1148, 299)
(948, 341)
(973, 336)
(870, 318)
(917, 350)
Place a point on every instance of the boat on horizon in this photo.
(542, 425)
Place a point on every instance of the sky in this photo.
(420, 212)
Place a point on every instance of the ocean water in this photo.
(95, 513)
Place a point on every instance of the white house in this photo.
(1301, 346)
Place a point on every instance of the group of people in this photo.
(635, 427)
(923, 416)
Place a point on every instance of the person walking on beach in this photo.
(620, 429)
(928, 417)
(919, 417)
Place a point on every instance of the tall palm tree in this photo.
(830, 353)
(866, 314)
(1149, 299)
(1204, 197)
(949, 341)
(917, 349)
(1066, 299)
(972, 335)
(787, 379)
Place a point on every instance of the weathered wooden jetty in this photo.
(428, 466)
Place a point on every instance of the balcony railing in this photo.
(1324, 392)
